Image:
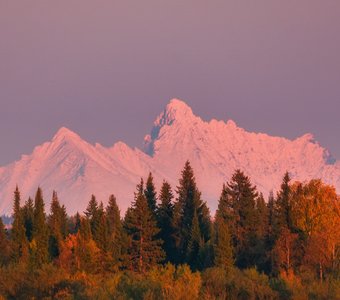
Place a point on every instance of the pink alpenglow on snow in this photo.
(76, 169)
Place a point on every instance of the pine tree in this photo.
(151, 195)
(85, 229)
(259, 248)
(225, 207)
(57, 222)
(271, 234)
(39, 248)
(165, 220)
(244, 226)
(262, 216)
(285, 235)
(271, 217)
(113, 217)
(223, 249)
(18, 234)
(188, 203)
(89, 258)
(64, 222)
(28, 214)
(102, 231)
(283, 204)
(195, 245)
(115, 232)
(4, 245)
(77, 221)
(93, 215)
(145, 249)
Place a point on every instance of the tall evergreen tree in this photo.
(4, 245)
(93, 214)
(188, 203)
(57, 222)
(271, 216)
(262, 217)
(28, 214)
(86, 250)
(244, 225)
(165, 220)
(39, 247)
(225, 207)
(145, 249)
(283, 204)
(195, 245)
(102, 231)
(113, 216)
(271, 234)
(85, 229)
(77, 220)
(115, 231)
(150, 194)
(18, 234)
(286, 238)
(223, 249)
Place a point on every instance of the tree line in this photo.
(293, 233)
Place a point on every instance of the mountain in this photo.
(76, 169)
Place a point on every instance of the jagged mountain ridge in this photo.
(76, 169)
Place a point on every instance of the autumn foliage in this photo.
(168, 246)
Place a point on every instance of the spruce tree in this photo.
(286, 235)
(223, 250)
(93, 215)
(74, 223)
(271, 234)
(244, 225)
(188, 203)
(150, 194)
(113, 216)
(115, 231)
(28, 214)
(283, 204)
(64, 221)
(39, 247)
(195, 245)
(85, 229)
(4, 245)
(165, 215)
(102, 231)
(145, 249)
(225, 207)
(57, 222)
(262, 215)
(262, 218)
(18, 234)
(86, 250)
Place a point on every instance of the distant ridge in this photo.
(77, 169)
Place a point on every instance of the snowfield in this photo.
(77, 169)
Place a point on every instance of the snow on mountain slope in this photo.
(72, 167)
(216, 149)
(77, 169)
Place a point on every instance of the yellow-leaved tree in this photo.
(316, 208)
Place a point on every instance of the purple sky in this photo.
(106, 69)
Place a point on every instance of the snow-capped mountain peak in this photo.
(65, 134)
(176, 111)
(77, 169)
(177, 117)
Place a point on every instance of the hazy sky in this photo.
(106, 69)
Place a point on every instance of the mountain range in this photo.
(76, 169)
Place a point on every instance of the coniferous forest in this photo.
(169, 246)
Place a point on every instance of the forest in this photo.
(169, 246)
